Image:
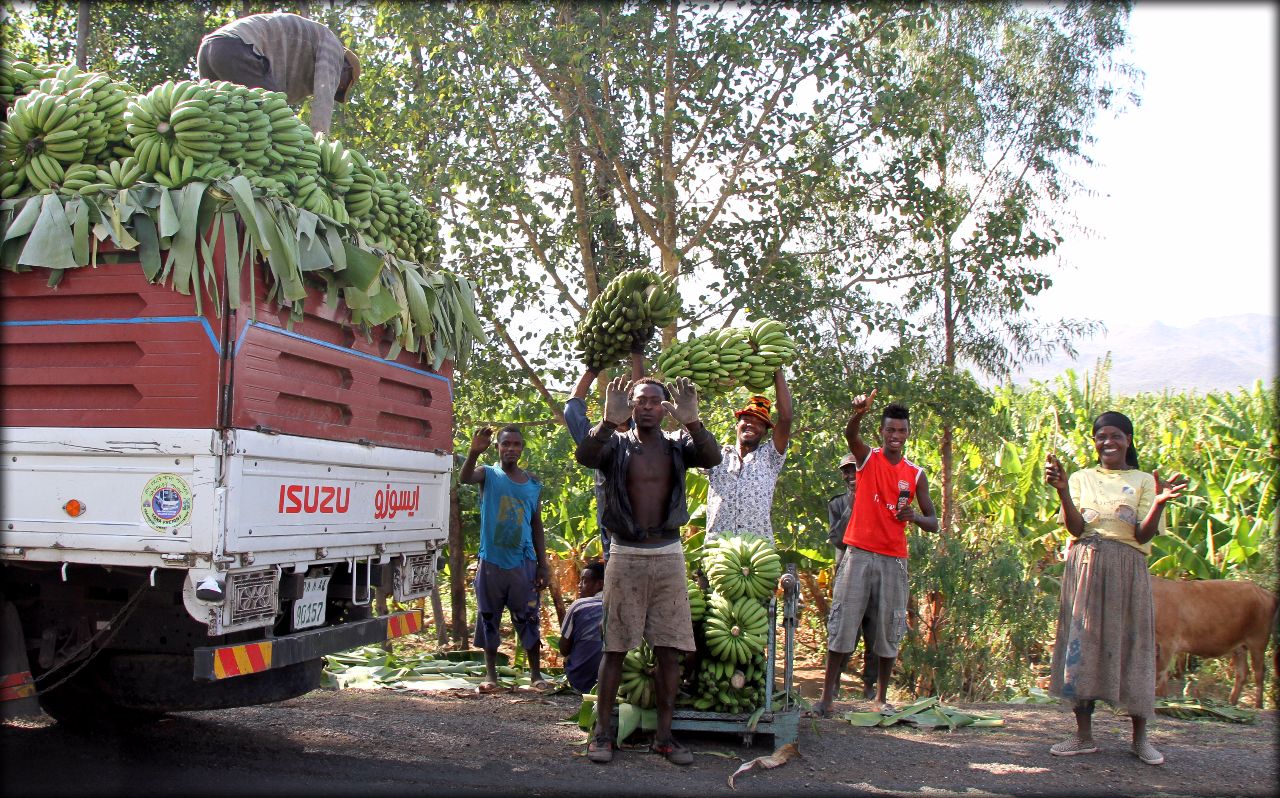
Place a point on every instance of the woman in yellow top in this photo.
(1105, 645)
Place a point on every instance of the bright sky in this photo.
(1185, 216)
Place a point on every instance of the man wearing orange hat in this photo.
(740, 488)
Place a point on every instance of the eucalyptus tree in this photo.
(992, 124)
(569, 141)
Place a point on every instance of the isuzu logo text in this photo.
(313, 499)
(389, 501)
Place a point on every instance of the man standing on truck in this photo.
(513, 554)
(645, 590)
(283, 52)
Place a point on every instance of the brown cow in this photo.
(1213, 618)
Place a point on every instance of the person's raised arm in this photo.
(683, 407)
(782, 424)
(1055, 476)
(575, 410)
(1165, 491)
(590, 451)
(325, 77)
(927, 518)
(853, 430)
(479, 444)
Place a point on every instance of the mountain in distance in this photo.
(1218, 354)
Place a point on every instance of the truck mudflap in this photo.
(224, 662)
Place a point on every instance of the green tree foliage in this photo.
(991, 119)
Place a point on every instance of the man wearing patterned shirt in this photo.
(740, 488)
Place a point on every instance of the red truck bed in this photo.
(105, 348)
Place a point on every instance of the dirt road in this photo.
(390, 743)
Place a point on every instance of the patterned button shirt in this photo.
(740, 492)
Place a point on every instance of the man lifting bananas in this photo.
(283, 52)
(645, 591)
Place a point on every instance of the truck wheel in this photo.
(83, 703)
(131, 689)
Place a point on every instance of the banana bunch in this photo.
(17, 77)
(100, 101)
(322, 191)
(625, 315)
(386, 213)
(70, 118)
(735, 631)
(719, 360)
(723, 686)
(742, 565)
(638, 684)
(697, 602)
(172, 121)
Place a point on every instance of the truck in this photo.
(200, 499)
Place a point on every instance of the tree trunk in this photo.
(816, 595)
(457, 572)
(557, 597)
(82, 35)
(437, 613)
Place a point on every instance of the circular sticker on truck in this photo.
(166, 502)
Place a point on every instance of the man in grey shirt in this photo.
(286, 53)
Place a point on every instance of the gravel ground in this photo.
(387, 742)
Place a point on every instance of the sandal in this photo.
(888, 709)
(1073, 747)
(675, 753)
(542, 686)
(600, 750)
(816, 713)
(488, 687)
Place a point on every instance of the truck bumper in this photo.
(224, 662)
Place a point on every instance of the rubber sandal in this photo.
(816, 714)
(488, 687)
(887, 708)
(542, 686)
(600, 750)
(675, 753)
(1147, 753)
(1073, 747)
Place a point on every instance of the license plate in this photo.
(308, 610)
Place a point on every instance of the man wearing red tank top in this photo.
(872, 576)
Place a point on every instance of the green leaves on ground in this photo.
(371, 668)
(1204, 709)
(926, 713)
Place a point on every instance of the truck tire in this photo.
(135, 688)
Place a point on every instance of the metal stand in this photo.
(783, 723)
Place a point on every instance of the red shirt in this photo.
(873, 525)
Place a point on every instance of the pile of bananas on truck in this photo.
(731, 623)
(81, 144)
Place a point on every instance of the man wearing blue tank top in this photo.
(513, 555)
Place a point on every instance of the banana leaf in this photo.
(363, 267)
(26, 211)
(49, 243)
